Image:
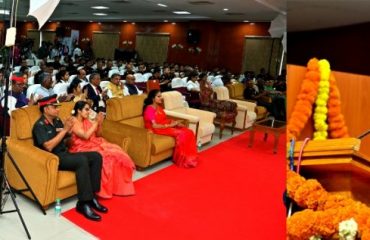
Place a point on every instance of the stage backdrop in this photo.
(354, 91)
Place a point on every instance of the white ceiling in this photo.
(149, 11)
(317, 14)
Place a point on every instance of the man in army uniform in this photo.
(49, 134)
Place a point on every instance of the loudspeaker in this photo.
(193, 36)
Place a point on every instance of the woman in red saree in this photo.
(185, 154)
(117, 170)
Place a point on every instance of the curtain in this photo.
(47, 36)
(104, 44)
(152, 47)
(262, 52)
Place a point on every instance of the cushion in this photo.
(205, 129)
(66, 179)
(162, 143)
(136, 122)
(173, 100)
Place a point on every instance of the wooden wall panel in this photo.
(355, 97)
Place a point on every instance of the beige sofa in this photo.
(201, 122)
(39, 167)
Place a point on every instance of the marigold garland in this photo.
(337, 126)
(303, 108)
(324, 211)
(328, 119)
(321, 110)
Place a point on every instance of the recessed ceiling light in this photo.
(173, 23)
(245, 21)
(165, 20)
(124, 21)
(181, 12)
(100, 14)
(162, 5)
(4, 12)
(226, 9)
(100, 7)
(133, 23)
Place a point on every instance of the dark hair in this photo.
(92, 76)
(74, 84)
(79, 106)
(149, 99)
(202, 75)
(60, 74)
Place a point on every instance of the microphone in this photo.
(364, 134)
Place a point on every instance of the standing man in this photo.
(49, 134)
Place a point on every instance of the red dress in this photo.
(117, 170)
(185, 154)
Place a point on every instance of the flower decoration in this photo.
(198, 49)
(191, 49)
(348, 229)
(73, 112)
(194, 49)
(321, 110)
(319, 87)
(327, 215)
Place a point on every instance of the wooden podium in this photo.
(338, 166)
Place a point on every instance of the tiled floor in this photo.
(58, 228)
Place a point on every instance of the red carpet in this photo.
(235, 193)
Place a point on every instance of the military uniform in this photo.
(86, 165)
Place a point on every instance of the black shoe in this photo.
(86, 210)
(97, 206)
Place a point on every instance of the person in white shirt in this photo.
(193, 84)
(130, 88)
(217, 82)
(45, 89)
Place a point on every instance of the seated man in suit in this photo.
(130, 88)
(49, 134)
(95, 93)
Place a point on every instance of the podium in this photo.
(338, 165)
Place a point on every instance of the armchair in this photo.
(201, 122)
(246, 110)
(125, 119)
(39, 167)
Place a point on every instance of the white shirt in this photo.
(43, 92)
(126, 93)
(178, 82)
(217, 82)
(193, 86)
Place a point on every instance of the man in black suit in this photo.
(95, 93)
(49, 133)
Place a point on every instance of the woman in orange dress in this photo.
(118, 168)
(185, 154)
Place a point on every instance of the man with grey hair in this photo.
(95, 93)
(130, 88)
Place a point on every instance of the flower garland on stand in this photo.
(321, 110)
(337, 126)
(303, 108)
(327, 216)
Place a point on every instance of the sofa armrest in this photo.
(39, 167)
(178, 115)
(140, 151)
(251, 106)
(203, 115)
(114, 137)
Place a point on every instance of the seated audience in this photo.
(185, 154)
(95, 93)
(49, 134)
(115, 86)
(117, 170)
(130, 88)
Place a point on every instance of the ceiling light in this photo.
(4, 12)
(124, 21)
(100, 7)
(91, 21)
(245, 21)
(162, 5)
(173, 23)
(181, 12)
(226, 9)
(100, 14)
(133, 23)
